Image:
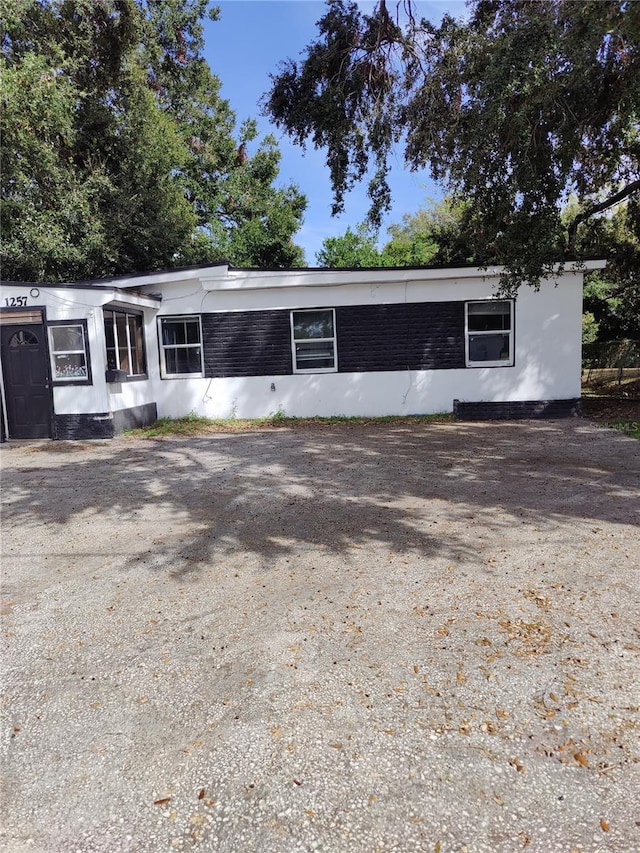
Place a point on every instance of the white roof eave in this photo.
(137, 299)
(237, 279)
(267, 279)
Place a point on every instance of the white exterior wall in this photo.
(136, 392)
(547, 330)
(75, 303)
(546, 366)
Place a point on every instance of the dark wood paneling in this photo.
(414, 336)
(247, 343)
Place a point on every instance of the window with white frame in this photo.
(313, 341)
(125, 342)
(69, 351)
(489, 333)
(180, 346)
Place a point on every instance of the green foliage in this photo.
(605, 308)
(434, 235)
(438, 234)
(589, 328)
(47, 203)
(87, 153)
(242, 216)
(253, 222)
(342, 98)
(613, 295)
(512, 110)
(612, 355)
(409, 247)
(352, 249)
(118, 153)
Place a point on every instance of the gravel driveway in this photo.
(369, 638)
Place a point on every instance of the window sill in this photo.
(114, 377)
(302, 371)
(489, 364)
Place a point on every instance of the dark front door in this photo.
(26, 381)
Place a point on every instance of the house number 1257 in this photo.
(16, 301)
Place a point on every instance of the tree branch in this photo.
(625, 192)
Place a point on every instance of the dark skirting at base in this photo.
(517, 409)
(103, 424)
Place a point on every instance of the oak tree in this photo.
(119, 153)
(514, 109)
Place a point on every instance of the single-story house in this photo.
(90, 359)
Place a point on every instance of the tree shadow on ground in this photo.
(183, 503)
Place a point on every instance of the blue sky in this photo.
(243, 48)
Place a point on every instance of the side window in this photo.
(313, 341)
(489, 334)
(69, 352)
(180, 346)
(124, 334)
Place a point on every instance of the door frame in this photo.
(7, 312)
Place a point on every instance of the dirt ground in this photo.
(350, 638)
(606, 401)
